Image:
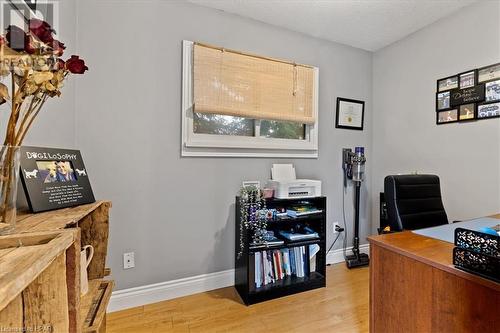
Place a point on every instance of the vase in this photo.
(9, 177)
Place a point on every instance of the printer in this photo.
(286, 185)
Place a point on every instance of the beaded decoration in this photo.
(253, 214)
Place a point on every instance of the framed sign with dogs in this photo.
(54, 178)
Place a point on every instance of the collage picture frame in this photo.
(469, 96)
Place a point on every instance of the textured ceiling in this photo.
(366, 24)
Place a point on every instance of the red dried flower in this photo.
(76, 65)
(58, 47)
(29, 48)
(42, 30)
(60, 64)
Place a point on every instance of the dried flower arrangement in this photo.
(31, 72)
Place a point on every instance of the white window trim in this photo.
(239, 146)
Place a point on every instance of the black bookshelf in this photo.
(244, 266)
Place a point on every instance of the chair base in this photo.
(354, 261)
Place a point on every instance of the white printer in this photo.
(286, 185)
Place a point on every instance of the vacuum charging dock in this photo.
(361, 260)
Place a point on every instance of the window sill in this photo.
(247, 152)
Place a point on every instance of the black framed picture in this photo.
(448, 83)
(54, 178)
(350, 114)
(443, 100)
(492, 91)
(489, 110)
(467, 79)
(470, 95)
(489, 73)
(446, 117)
(467, 112)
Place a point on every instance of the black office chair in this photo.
(414, 202)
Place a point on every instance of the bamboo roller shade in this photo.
(235, 84)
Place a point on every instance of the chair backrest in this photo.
(414, 202)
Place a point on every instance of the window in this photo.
(282, 130)
(230, 125)
(235, 122)
(222, 125)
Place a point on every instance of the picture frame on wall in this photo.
(350, 114)
(448, 83)
(488, 110)
(468, 96)
(489, 73)
(446, 117)
(492, 91)
(467, 79)
(443, 100)
(467, 112)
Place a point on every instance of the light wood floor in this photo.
(340, 307)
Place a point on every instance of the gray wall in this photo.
(466, 156)
(177, 214)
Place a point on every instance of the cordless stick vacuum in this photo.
(353, 165)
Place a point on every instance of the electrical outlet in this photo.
(335, 225)
(128, 260)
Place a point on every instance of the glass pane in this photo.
(282, 130)
(222, 125)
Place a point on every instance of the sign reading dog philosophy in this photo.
(54, 178)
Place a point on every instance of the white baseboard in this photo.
(336, 256)
(129, 298)
(137, 296)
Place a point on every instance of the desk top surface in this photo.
(431, 251)
(446, 232)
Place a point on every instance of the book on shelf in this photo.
(269, 267)
(286, 261)
(275, 265)
(266, 244)
(313, 250)
(292, 263)
(297, 211)
(258, 269)
(305, 234)
(269, 240)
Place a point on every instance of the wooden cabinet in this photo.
(40, 271)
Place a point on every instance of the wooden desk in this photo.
(414, 287)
